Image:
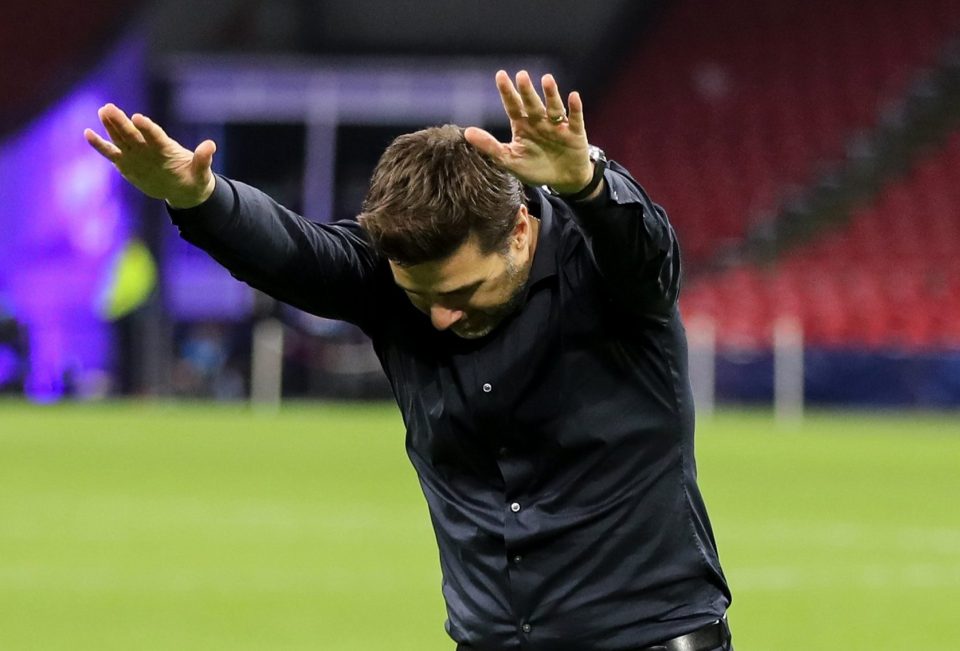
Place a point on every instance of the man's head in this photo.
(454, 227)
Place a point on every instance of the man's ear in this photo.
(521, 229)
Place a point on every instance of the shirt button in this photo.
(517, 558)
(515, 507)
(487, 387)
(526, 628)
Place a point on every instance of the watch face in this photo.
(596, 154)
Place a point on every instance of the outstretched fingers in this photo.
(532, 104)
(104, 147)
(512, 103)
(125, 133)
(152, 133)
(551, 93)
(576, 114)
(119, 127)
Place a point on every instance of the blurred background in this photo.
(807, 152)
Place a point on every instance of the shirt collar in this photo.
(545, 256)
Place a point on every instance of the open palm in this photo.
(152, 161)
(548, 146)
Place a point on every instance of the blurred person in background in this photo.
(13, 350)
(522, 299)
(204, 366)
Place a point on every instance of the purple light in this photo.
(64, 213)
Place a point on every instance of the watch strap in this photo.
(599, 166)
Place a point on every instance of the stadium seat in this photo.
(890, 277)
(733, 104)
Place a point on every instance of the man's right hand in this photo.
(152, 161)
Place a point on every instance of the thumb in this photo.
(485, 142)
(203, 156)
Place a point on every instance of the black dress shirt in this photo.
(556, 454)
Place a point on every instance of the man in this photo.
(534, 346)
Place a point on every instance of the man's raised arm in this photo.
(325, 269)
(629, 237)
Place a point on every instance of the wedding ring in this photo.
(557, 119)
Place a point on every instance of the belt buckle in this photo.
(691, 641)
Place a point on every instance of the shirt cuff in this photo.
(617, 189)
(599, 203)
(211, 215)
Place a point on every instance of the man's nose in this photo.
(443, 317)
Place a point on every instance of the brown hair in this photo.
(430, 191)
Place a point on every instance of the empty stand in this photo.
(727, 107)
(890, 277)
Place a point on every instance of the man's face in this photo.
(468, 292)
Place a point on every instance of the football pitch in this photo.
(214, 527)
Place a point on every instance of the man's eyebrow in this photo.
(455, 290)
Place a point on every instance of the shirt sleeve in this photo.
(632, 244)
(326, 269)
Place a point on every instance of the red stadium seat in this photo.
(731, 104)
(889, 277)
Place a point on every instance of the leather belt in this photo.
(707, 638)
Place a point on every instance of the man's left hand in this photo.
(549, 145)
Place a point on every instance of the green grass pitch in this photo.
(153, 526)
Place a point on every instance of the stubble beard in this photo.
(490, 319)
